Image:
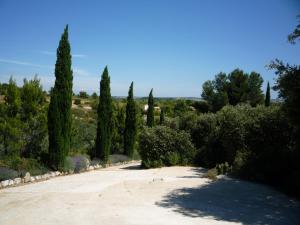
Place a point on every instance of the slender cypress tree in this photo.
(104, 134)
(162, 117)
(130, 132)
(59, 112)
(150, 111)
(267, 100)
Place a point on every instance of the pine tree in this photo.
(59, 112)
(12, 98)
(162, 117)
(150, 111)
(130, 132)
(267, 100)
(104, 134)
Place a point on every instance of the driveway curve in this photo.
(127, 195)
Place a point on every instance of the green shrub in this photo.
(77, 101)
(172, 159)
(211, 174)
(223, 168)
(69, 165)
(115, 158)
(80, 162)
(6, 174)
(160, 144)
(23, 165)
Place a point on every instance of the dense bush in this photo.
(255, 142)
(78, 163)
(77, 101)
(163, 146)
(6, 173)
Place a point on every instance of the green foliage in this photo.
(237, 91)
(11, 135)
(7, 174)
(295, 34)
(118, 128)
(257, 143)
(234, 88)
(77, 163)
(162, 116)
(104, 125)
(150, 111)
(83, 94)
(12, 98)
(255, 95)
(288, 84)
(35, 134)
(161, 146)
(223, 168)
(23, 165)
(32, 97)
(83, 134)
(68, 165)
(59, 113)
(268, 97)
(94, 95)
(130, 133)
(180, 107)
(211, 174)
(77, 101)
(201, 106)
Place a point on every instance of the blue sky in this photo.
(171, 46)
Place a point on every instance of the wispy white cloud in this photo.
(47, 53)
(80, 72)
(79, 56)
(22, 63)
(73, 55)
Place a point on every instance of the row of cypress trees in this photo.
(60, 115)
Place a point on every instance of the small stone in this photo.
(57, 173)
(32, 179)
(4, 183)
(27, 177)
(17, 181)
(91, 168)
(38, 177)
(45, 176)
(10, 182)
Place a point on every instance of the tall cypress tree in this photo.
(59, 112)
(268, 97)
(130, 132)
(150, 111)
(162, 117)
(104, 134)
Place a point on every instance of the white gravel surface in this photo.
(127, 195)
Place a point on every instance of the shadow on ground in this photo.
(134, 167)
(236, 201)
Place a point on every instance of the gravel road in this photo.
(127, 195)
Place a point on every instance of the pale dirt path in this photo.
(125, 195)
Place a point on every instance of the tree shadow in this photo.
(235, 201)
(132, 167)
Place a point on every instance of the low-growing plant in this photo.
(80, 162)
(223, 168)
(211, 174)
(6, 173)
(77, 101)
(69, 165)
